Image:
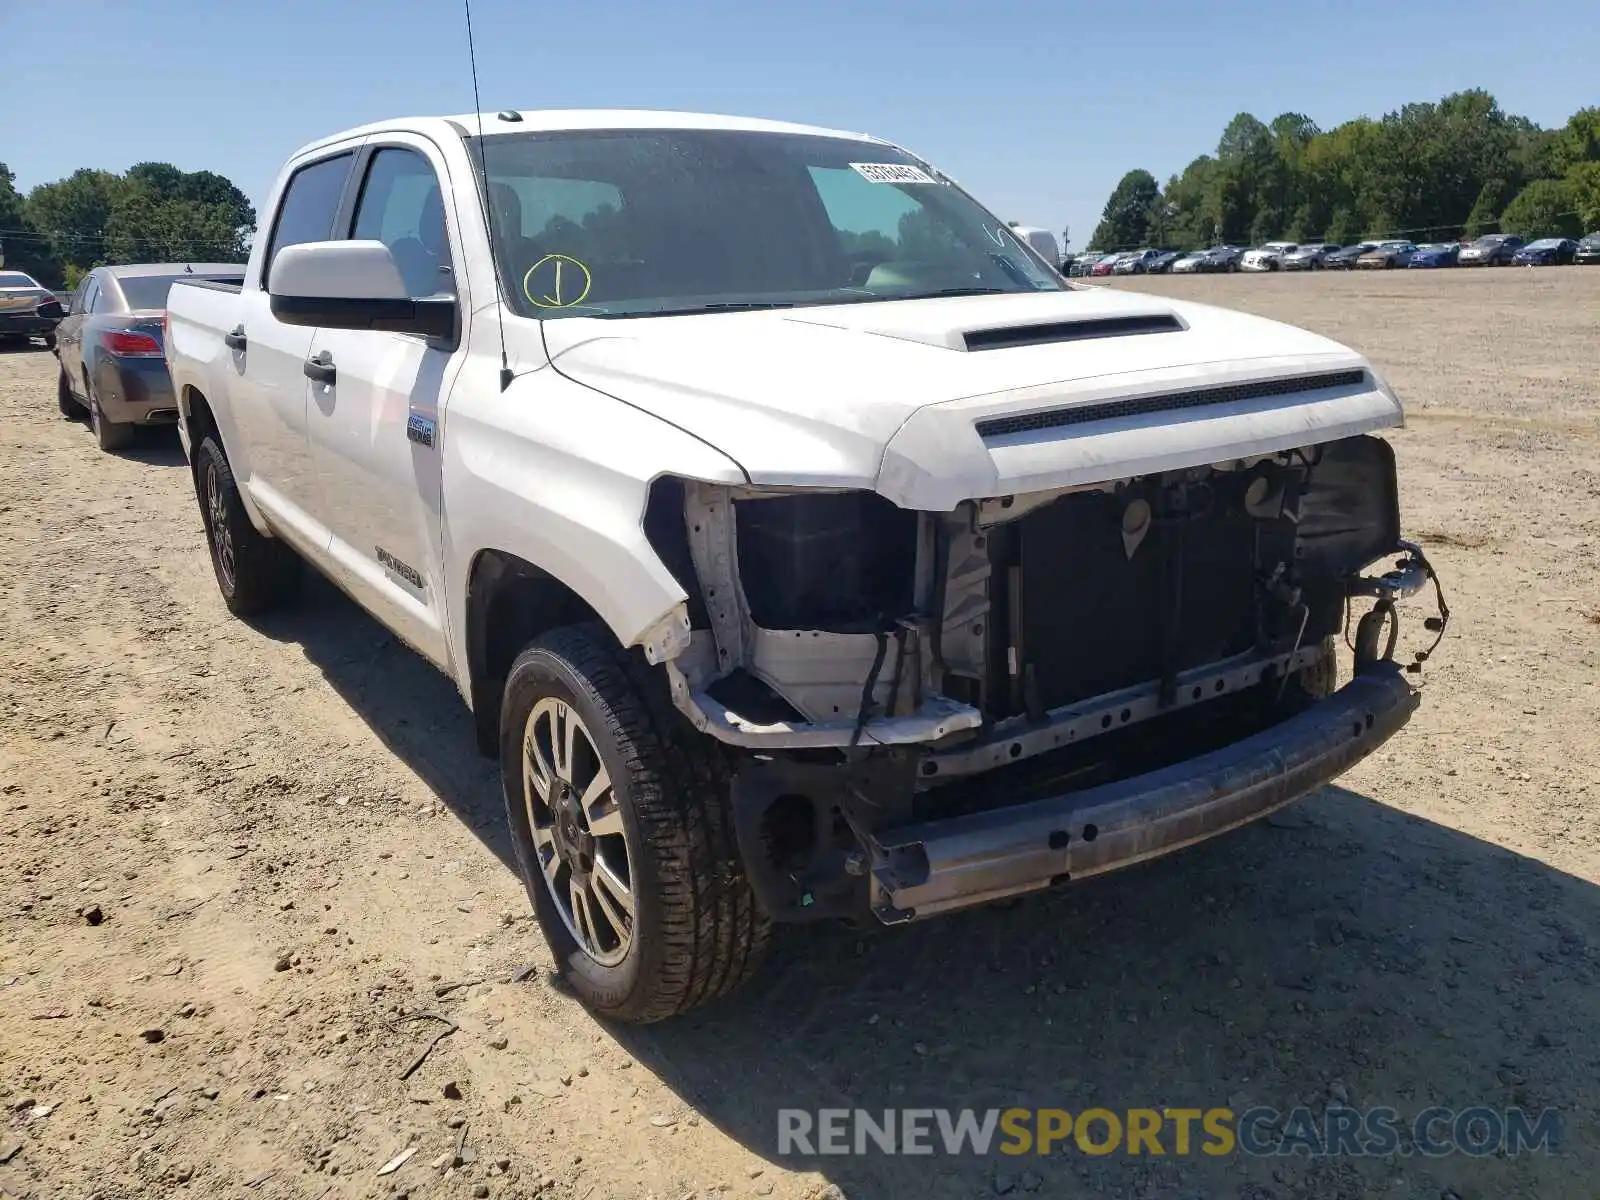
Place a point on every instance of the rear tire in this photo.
(110, 435)
(49, 341)
(660, 821)
(254, 573)
(71, 407)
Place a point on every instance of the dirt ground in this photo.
(285, 844)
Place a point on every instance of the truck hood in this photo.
(891, 395)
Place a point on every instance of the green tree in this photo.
(154, 213)
(1578, 141)
(1427, 169)
(1545, 208)
(1583, 182)
(26, 249)
(1492, 199)
(1125, 223)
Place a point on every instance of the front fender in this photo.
(558, 475)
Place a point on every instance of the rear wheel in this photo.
(623, 832)
(255, 573)
(49, 341)
(111, 435)
(70, 406)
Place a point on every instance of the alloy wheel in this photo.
(577, 829)
(221, 533)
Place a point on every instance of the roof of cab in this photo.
(544, 120)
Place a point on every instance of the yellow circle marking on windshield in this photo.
(564, 282)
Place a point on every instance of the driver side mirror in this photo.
(50, 310)
(352, 285)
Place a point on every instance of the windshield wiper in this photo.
(955, 291)
(728, 306)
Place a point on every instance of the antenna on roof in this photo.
(483, 199)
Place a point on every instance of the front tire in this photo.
(255, 573)
(623, 832)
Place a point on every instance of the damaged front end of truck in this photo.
(926, 711)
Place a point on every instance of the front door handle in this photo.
(234, 339)
(320, 369)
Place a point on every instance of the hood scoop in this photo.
(1048, 333)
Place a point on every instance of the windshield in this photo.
(623, 223)
(1490, 239)
(1545, 244)
(150, 291)
(16, 279)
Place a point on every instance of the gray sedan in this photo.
(21, 317)
(113, 362)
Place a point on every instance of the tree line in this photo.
(1429, 172)
(152, 213)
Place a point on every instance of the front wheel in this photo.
(255, 573)
(623, 832)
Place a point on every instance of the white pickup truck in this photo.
(804, 545)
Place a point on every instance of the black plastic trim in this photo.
(431, 316)
(1050, 332)
(1167, 402)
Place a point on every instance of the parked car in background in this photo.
(1436, 254)
(1188, 264)
(1546, 252)
(1491, 250)
(112, 347)
(1344, 259)
(1137, 263)
(1083, 263)
(1386, 255)
(1588, 251)
(1224, 258)
(1308, 256)
(1162, 262)
(28, 310)
(1267, 257)
(1106, 265)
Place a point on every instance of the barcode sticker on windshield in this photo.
(892, 173)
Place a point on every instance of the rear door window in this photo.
(310, 205)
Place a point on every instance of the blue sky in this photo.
(1038, 108)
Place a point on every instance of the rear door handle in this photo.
(320, 369)
(235, 339)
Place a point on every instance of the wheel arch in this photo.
(198, 420)
(510, 602)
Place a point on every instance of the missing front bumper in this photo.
(939, 866)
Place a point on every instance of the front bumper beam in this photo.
(939, 866)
